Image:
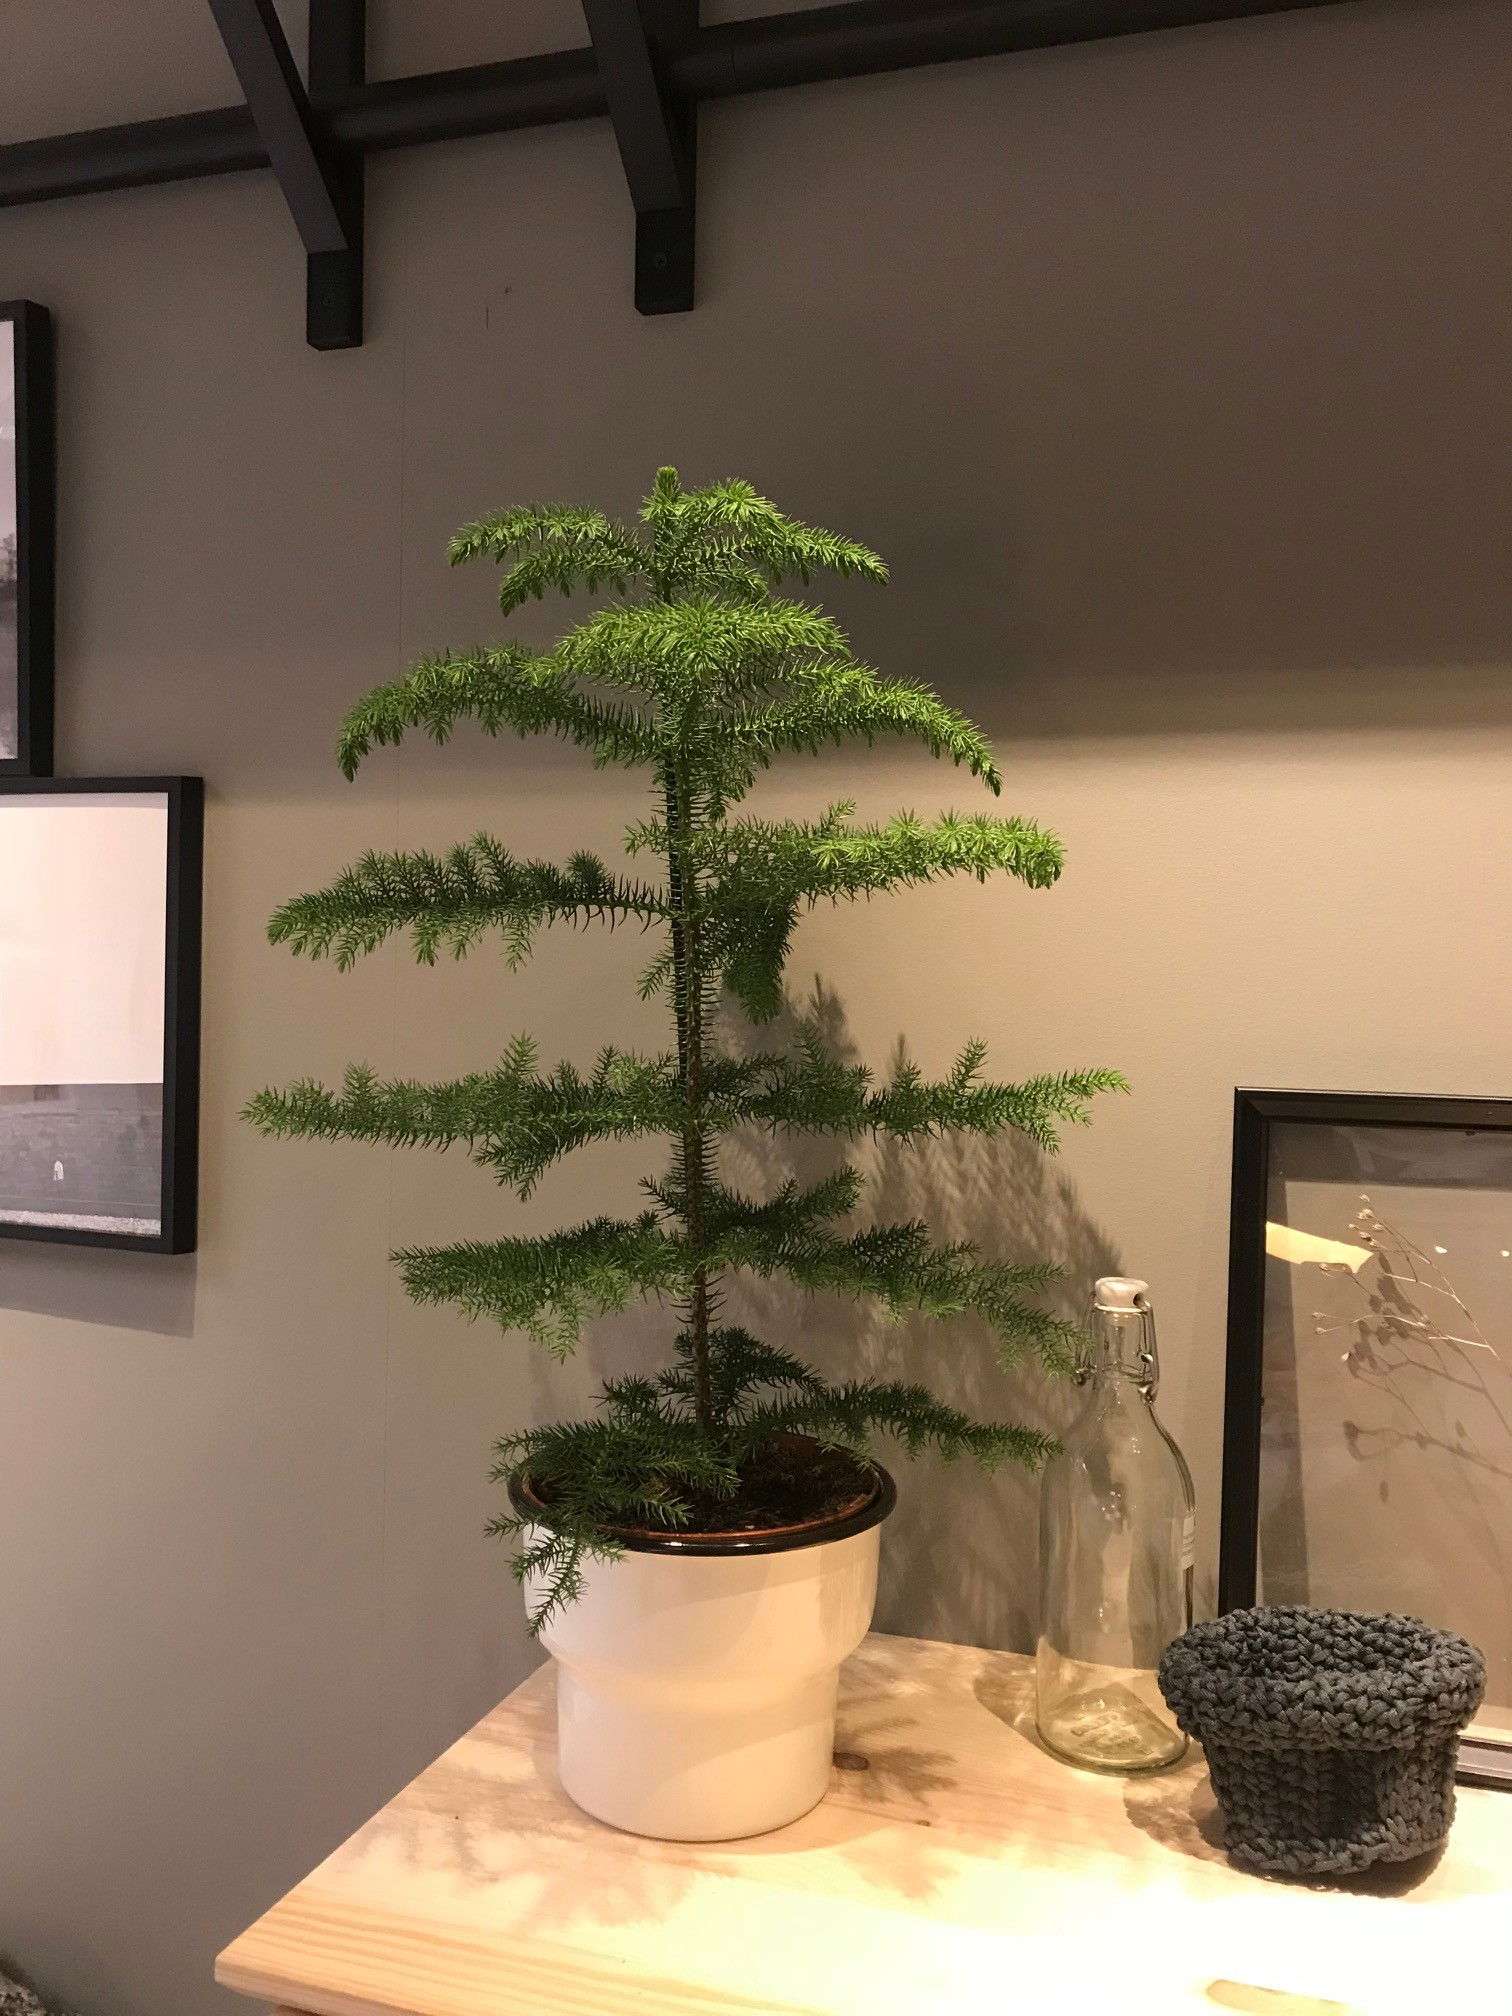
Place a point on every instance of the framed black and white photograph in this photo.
(26, 540)
(99, 1010)
(1367, 1458)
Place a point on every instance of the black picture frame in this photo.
(36, 512)
(183, 900)
(1256, 1112)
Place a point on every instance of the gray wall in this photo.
(1172, 377)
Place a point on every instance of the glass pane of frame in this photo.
(10, 565)
(83, 913)
(1386, 1428)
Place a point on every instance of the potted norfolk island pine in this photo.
(701, 1554)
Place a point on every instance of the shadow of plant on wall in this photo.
(960, 1559)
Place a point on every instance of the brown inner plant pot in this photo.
(793, 1489)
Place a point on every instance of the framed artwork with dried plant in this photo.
(1367, 1455)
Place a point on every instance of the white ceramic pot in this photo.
(696, 1677)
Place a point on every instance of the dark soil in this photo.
(790, 1482)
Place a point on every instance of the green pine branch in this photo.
(552, 1286)
(511, 1120)
(791, 860)
(630, 1467)
(901, 1267)
(813, 1092)
(759, 876)
(558, 546)
(699, 534)
(499, 689)
(852, 1416)
(831, 858)
(847, 703)
(744, 1367)
(703, 652)
(450, 902)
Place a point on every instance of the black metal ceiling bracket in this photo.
(317, 189)
(333, 283)
(634, 42)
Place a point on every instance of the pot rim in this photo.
(776, 1540)
(1434, 1682)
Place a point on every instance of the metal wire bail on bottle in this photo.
(1123, 1330)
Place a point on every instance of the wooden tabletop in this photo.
(954, 1867)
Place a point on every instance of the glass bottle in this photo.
(1117, 1520)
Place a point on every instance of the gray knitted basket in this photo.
(1330, 1737)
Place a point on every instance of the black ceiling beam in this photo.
(869, 37)
(465, 104)
(861, 38)
(185, 146)
(318, 193)
(657, 138)
(337, 61)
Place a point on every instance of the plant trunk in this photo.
(688, 994)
